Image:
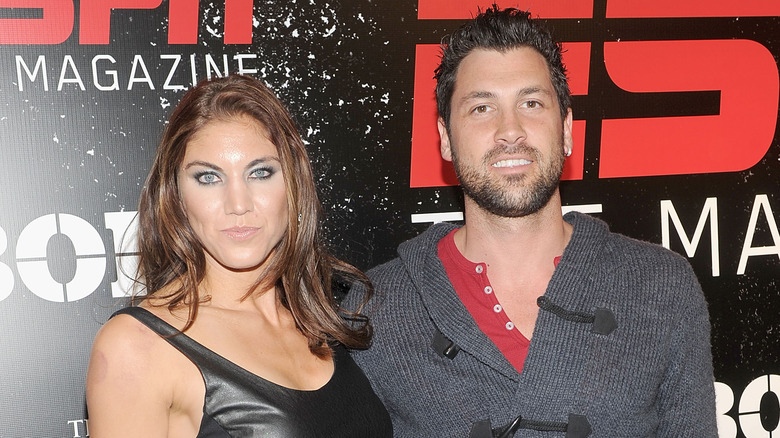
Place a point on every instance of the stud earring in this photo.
(567, 152)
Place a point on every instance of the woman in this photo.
(239, 334)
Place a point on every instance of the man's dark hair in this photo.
(501, 30)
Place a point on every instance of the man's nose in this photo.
(510, 129)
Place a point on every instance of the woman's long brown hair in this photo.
(171, 259)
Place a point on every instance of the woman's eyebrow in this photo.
(263, 160)
(203, 164)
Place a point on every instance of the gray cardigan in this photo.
(650, 375)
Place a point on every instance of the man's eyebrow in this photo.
(520, 93)
(478, 95)
(533, 90)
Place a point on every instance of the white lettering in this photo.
(111, 73)
(67, 62)
(750, 406)
(176, 60)
(139, 61)
(211, 65)
(193, 69)
(435, 218)
(724, 401)
(34, 269)
(40, 66)
(124, 229)
(6, 275)
(710, 210)
(240, 58)
(77, 429)
(108, 78)
(582, 208)
(761, 203)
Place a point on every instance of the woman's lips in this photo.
(240, 233)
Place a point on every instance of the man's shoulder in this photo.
(647, 255)
(412, 254)
(397, 275)
(427, 239)
(387, 271)
(626, 271)
(594, 234)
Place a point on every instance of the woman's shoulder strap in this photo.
(149, 319)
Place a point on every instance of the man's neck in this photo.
(528, 241)
(519, 254)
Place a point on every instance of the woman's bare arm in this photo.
(128, 394)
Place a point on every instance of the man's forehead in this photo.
(484, 69)
(526, 52)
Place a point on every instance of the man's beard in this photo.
(512, 195)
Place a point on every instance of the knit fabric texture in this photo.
(651, 376)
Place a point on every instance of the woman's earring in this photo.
(299, 218)
(567, 152)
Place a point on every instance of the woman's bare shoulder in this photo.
(126, 340)
(127, 368)
(124, 351)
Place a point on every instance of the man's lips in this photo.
(513, 162)
(240, 233)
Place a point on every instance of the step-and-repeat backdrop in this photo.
(675, 108)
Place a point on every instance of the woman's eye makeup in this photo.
(262, 172)
(207, 177)
(206, 174)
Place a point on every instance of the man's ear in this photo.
(444, 137)
(568, 142)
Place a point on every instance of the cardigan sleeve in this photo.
(686, 402)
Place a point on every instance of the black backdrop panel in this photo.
(675, 107)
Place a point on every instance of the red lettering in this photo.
(238, 22)
(428, 169)
(576, 58)
(691, 8)
(54, 28)
(95, 21)
(95, 17)
(183, 22)
(462, 9)
(745, 73)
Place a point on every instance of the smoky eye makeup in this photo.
(206, 177)
(262, 172)
(264, 168)
(205, 173)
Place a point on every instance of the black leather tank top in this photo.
(240, 404)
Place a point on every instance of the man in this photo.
(524, 319)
